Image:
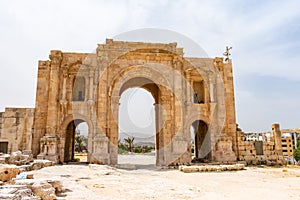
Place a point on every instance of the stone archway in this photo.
(141, 76)
(201, 140)
(70, 140)
(66, 153)
(153, 91)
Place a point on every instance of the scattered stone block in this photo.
(56, 184)
(17, 192)
(211, 168)
(8, 172)
(17, 158)
(39, 164)
(44, 190)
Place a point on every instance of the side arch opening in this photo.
(76, 141)
(200, 141)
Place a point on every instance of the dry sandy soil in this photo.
(149, 182)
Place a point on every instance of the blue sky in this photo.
(264, 35)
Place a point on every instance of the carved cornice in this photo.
(55, 57)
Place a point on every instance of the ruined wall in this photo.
(261, 152)
(16, 128)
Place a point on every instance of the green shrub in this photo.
(297, 154)
(137, 149)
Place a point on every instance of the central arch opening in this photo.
(137, 134)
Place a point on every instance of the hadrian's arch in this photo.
(87, 87)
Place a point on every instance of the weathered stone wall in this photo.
(271, 150)
(16, 128)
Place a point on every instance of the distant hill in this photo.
(139, 138)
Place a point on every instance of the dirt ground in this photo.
(105, 182)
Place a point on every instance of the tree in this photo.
(129, 141)
(297, 151)
(79, 142)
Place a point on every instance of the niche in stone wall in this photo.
(199, 94)
(78, 89)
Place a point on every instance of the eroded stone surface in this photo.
(211, 168)
(44, 190)
(8, 172)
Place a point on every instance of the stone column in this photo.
(49, 143)
(56, 57)
(277, 138)
(189, 88)
(165, 152)
(113, 128)
(71, 81)
(64, 86)
(211, 88)
(91, 84)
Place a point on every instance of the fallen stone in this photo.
(17, 192)
(39, 164)
(44, 190)
(4, 158)
(27, 182)
(56, 184)
(18, 158)
(29, 175)
(8, 172)
(211, 168)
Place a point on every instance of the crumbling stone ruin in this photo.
(17, 182)
(195, 93)
(262, 152)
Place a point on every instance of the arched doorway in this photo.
(137, 121)
(76, 141)
(137, 125)
(200, 141)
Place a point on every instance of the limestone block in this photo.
(44, 190)
(224, 151)
(267, 152)
(4, 158)
(18, 158)
(249, 158)
(242, 158)
(27, 182)
(29, 175)
(7, 172)
(242, 153)
(17, 192)
(38, 164)
(56, 184)
(240, 166)
(241, 147)
(189, 169)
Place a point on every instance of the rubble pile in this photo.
(18, 183)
